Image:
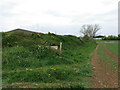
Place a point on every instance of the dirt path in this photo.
(111, 54)
(104, 77)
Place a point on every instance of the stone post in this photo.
(60, 46)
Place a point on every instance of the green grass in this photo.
(113, 47)
(105, 41)
(113, 64)
(26, 59)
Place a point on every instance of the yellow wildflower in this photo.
(38, 34)
(30, 69)
(48, 74)
(53, 68)
(77, 71)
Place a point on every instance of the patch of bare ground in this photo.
(21, 85)
(104, 76)
(111, 54)
(34, 85)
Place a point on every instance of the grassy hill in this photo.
(25, 59)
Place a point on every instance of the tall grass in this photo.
(26, 59)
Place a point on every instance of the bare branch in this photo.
(90, 30)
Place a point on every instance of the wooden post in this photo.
(60, 46)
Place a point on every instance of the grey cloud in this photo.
(54, 13)
(96, 18)
(5, 10)
(62, 30)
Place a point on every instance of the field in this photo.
(113, 47)
(27, 63)
(105, 61)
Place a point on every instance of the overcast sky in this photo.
(59, 16)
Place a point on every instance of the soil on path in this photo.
(104, 77)
(111, 54)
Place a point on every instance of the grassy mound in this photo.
(27, 59)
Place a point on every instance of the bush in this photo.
(86, 38)
(111, 37)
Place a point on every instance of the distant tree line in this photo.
(111, 37)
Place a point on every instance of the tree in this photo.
(118, 36)
(111, 37)
(90, 30)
